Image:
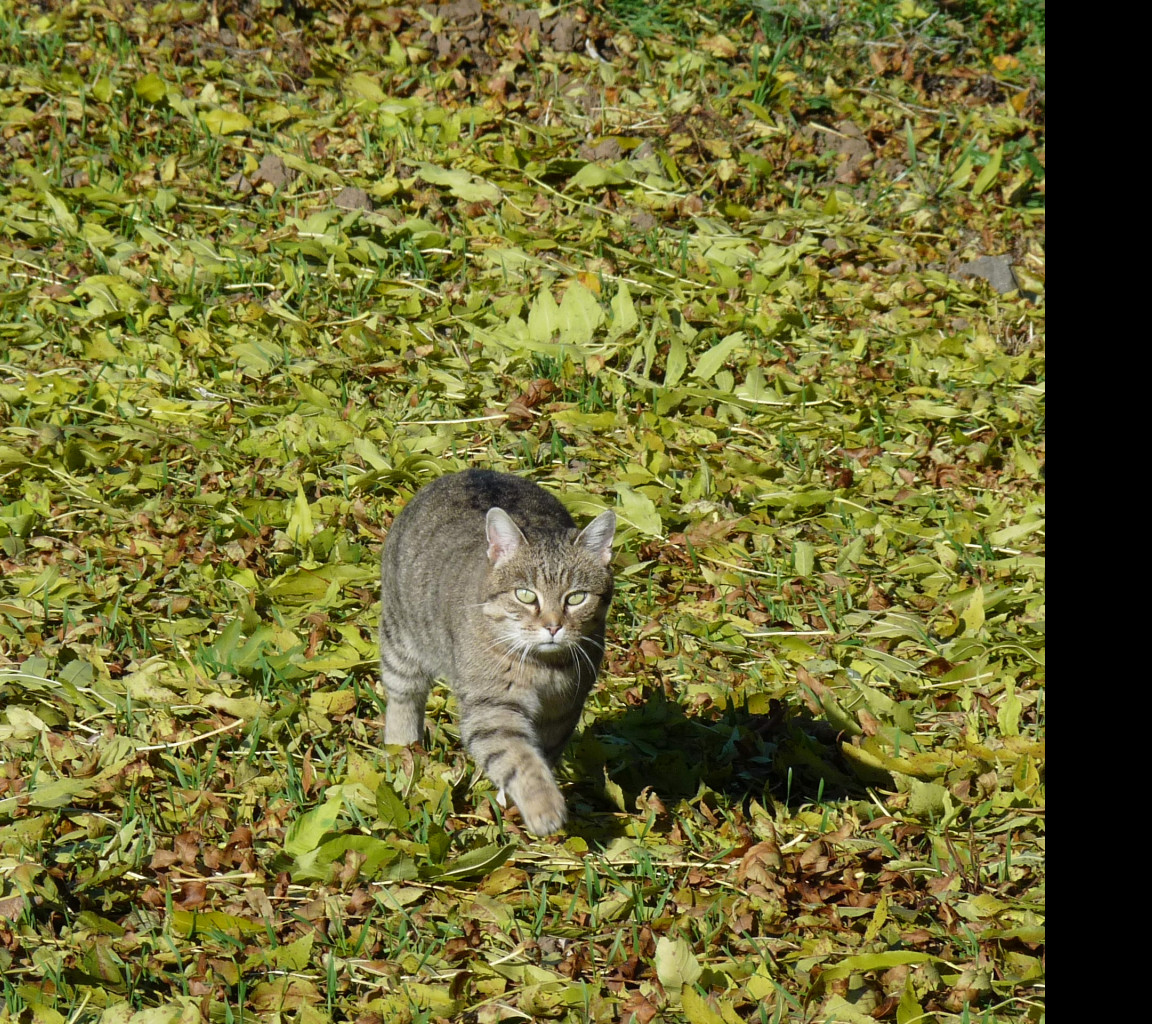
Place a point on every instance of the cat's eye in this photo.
(525, 596)
(575, 598)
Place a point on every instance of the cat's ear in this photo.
(597, 536)
(504, 536)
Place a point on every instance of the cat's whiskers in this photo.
(572, 682)
(578, 652)
(506, 644)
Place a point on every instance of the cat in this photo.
(486, 582)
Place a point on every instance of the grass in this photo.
(711, 278)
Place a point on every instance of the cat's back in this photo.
(457, 504)
(438, 542)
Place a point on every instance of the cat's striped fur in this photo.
(487, 583)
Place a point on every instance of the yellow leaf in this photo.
(579, 315)
(334, 702)
(1020, 100)
(225, 122)
(908, 10)
(988, 174)
(676, 966)
(719, 46)
(190, 922)
(300, 521)
(589, 281)
(973, 614)
(879, 917)
(365, 86)
(696, 1007)
(676, 364)
(150, 88)
(1008, 714)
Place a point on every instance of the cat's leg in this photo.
(500, 738)
(555, 734)
(407, 684)
(407, 701)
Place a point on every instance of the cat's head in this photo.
(547, 597)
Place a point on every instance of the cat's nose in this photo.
(554, 629)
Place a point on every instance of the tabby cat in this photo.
(487, 583)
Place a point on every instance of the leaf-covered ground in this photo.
(767, 279)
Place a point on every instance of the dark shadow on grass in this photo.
(729, 756)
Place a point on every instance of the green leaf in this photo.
(306, 832)
(840, 1011)
(1028, 464)
(875, 962)
(962, 173)
(191, 924)
(296, 955)
(909, 1011)
(615, 792)
(717, 356)
(928, 799)
(989, 172)
(150, 88)
(909, 10)
(639, 510)
(579, 315)
(973, 614)
(481, 861)
(857, 964)
(364, 86)
(57, 793)
(377, 858)
(460, 183)
(1008, 713)
(390, 808)
(624, 318)
(592, 177)
(300, 527)
(543, 317)
(64, 217)
(677, 362)
(803, 557)
(109, 292)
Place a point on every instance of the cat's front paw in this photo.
(542, 810)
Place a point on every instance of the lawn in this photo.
(767, 279)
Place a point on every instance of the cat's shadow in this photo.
(721, 757)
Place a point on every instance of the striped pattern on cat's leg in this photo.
(407, 686)
(534, 791)
(404, 719)
(554, 735)
(500, 738)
